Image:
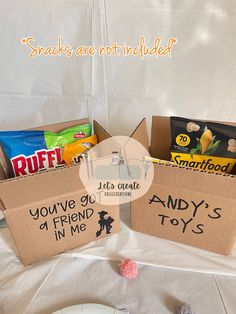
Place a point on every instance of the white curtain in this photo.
(198, 81)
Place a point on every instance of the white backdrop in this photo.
(198, 81)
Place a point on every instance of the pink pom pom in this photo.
(128, 268)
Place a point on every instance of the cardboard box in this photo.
(183, 204)
(50, 212)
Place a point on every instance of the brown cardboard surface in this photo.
(192, 179)
(212, 227)
(160, 144)
(140, 134)
(32, 203)
(180, 185)
(101, 133)
(2, 171)
(6, 168)
(31, 189)
(38, 236)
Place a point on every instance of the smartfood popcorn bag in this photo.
(203, 145)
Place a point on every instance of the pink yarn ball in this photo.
(128, 268)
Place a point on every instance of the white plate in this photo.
(89, 309)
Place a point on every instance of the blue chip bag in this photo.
(32, 151)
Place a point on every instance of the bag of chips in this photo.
(32, 151)
(203, 145)
(76, 152)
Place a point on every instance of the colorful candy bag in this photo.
(204, 145)
(75, 152)
(32, 151)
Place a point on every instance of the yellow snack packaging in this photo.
(204, 145)
(75, 152)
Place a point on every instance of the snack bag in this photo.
(75, 152)
(204, 145)
(32, 151)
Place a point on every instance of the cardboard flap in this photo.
(101, 133)
(160, 137)
(32, 189)
(2, 206)
(6, 170)
(3, 175)
(140, 134)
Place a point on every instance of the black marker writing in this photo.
(218, 215)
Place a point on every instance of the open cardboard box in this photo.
(50, 212)
(185, 205)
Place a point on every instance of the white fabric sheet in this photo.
(66, 281)
(90, 275)
(144, 249)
